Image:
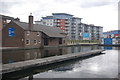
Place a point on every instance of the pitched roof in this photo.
(49, 31)
(6, 17)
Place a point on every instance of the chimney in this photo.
(17, 19)
(30, 22)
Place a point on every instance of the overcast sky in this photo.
(98, 12)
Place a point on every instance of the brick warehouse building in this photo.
(4, 20)
(21, 34)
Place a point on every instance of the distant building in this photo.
(48, 21)
(93, 32)
(21, 34)
(114, 35)
(72, 26)
(111, 34)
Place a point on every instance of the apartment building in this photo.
(111, 37)
(111, 34)
(76, 28)
(73, 26)
(64, 22)
(94, 32)
(48, 20)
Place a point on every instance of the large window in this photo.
(28, 42)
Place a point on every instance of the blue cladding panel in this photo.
(86, 35)
(107, 40)
(104, 33)
(115, 32)
(111, 33)
(11, 32)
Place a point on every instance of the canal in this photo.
(99, 66)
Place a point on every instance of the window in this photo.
(3, 25)
(28, 33)
(64, 41)
(35, 41)
(39, 41)
(27, 41)
(38, 33)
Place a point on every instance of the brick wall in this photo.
(1, 24)
(15, 41)
(53, 42)
(64, 39)
(32, 37)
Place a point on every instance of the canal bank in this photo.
(68, 45)
(7, 68)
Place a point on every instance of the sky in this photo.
(98, 12)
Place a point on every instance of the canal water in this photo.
(99, 66)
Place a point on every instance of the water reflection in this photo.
(108, 47)
(101, 66)
(76, 49)
(23, 55)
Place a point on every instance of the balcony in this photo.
(67, 25)
(67, 21)
(98, 31)
(56, 21)
(73, 30)
(56, 25)
(66, 28)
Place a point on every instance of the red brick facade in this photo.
(15, 41)
(1, 24)
(0, 38)
(33, 36)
